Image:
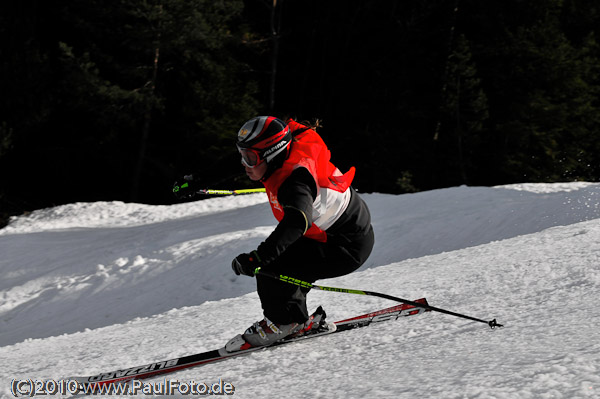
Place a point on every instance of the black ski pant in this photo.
(309, 260)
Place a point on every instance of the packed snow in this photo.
(94, 287)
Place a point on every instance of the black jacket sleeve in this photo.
(296, 195)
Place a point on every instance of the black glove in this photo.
(246, 264)
(184, 188)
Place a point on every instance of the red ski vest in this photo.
(308, 151)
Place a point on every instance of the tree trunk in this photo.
(135, 187)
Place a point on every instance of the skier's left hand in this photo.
(246, 264)
(185, 187)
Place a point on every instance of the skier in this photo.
(324, 227)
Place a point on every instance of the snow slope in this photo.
(88, 288)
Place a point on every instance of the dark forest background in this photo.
(115, 100)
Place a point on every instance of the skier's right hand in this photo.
(246, 264)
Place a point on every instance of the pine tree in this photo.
(464, 111)
(134, 93)
(539, 70)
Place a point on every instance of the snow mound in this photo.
(120, 214)
(545, 188)
(94, 287)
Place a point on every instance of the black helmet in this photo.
(262, 139)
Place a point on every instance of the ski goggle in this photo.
(250, 157)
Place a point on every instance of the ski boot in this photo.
(265, 333)
(315, 324)
(261, 333)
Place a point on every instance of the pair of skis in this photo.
(185, 362)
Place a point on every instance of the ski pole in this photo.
(291, 280)
(208, 191)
